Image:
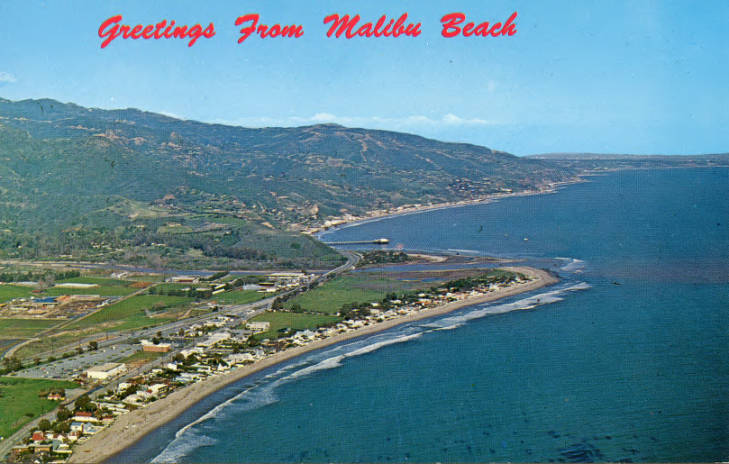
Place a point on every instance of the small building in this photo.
(258, 326)
(214, 339)
(56, 396)
(156, 389)
(91, 429)
(106, 371)
(83, 416)
(42, 448)
(19, 450)
(183, 279)
(155, 348)
(190, 351)
(239, 358)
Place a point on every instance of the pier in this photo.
(378, 241)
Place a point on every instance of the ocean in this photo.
(626, 359)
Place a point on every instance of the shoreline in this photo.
(135, 425)
(407, 210)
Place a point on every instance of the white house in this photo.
(258, 326)
(214, 339)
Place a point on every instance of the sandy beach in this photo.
(347, 221)
(131, 427)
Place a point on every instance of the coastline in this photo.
(133, 426)
(348, 221)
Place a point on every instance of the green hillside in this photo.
(138, 187)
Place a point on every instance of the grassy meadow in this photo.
(20, 403)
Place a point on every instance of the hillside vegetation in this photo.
(137, 187)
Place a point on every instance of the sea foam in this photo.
(261, 392)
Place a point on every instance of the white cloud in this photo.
(380, 122)
(323, 117)
(7, 78)
(454, 120)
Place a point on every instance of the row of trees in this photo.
(384, 256)
(34, 276)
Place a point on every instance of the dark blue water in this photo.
(635, 367)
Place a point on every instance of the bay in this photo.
(626, 360)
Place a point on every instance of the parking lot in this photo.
(71, 367)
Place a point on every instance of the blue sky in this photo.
(593, 76)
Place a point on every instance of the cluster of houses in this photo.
(221, 350)
(54, 446)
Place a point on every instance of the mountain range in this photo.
(131, 186)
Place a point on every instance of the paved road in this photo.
(7, 444)
(55, 328)
(245, 312)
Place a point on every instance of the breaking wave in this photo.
(262, 392)
(178, 449)
(572, 265)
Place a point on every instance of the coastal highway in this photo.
(241, 312)
(353, 259)
(10, 352)
(245, 311)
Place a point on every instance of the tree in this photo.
(82, 402)
(44, 425)
(62, 427)
(63, 414)
(12, 364)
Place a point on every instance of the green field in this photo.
(20, 403)
(361, 288)
(106, 287)
(140, 321)
(105, 290)
(94, 280)
(6, 343)
(280, 320)
(166, 287)
(23, 328)
(131, 312)
(240, 297)
(45, 344)
(128, 314)
(9, 292)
